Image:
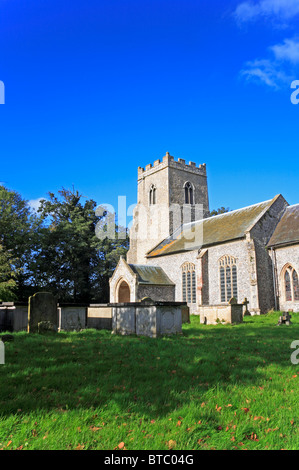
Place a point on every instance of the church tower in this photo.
(170, 193)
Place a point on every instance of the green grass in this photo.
(214, 387)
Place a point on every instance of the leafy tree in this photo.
(18, 236)
(7, 277)
(72, 262)
(221, 210)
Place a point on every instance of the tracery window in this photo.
(153, 195)
(189, 283)
(291, 284)
(228, 278)
(189, 196)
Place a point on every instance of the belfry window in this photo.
(153, 195)
(228, 278)
(189, 196)
(291, 284)
(189, 283)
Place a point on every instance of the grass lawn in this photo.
(214, 387)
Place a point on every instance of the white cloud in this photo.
(281, 9)
(279, 69)
(288, 51)
(267, 72)
(35, 203)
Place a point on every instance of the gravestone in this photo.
(285, 319)
(71, 318)
(147, 318)
(246, 302)
(42, 309)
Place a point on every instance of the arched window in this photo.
(228, 278)
(189, 283)
(189, 196)
(291, 284)
(152, 195)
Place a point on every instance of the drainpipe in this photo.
(274, 278)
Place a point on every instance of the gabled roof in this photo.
(213, 230)
(151, 275)
(287, 230)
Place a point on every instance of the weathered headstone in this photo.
(285, 319)
(147, 318)
(246, 302)
(42, 308)
(71, 318)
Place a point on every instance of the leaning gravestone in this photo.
(42, 313)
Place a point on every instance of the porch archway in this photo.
(123, 292)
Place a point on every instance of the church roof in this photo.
(287, 230)
(151, 275)
(213, 230)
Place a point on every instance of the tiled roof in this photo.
(151, 275)
(287, 230)
(213, 230)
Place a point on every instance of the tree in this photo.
(18, 236)
(221, 210)
(7, 277)
(72, 262)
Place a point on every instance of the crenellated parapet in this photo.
(169, 161)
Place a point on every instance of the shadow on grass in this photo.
(151, 377)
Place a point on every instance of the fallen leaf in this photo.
(80, 447)
(121, 445)
(94, 428)
(171, 444)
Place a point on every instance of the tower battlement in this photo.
(168, 191)
(168, 160)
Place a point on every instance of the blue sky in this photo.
(95, 89)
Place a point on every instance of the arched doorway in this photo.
(123, 292)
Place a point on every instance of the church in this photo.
(180, 253)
